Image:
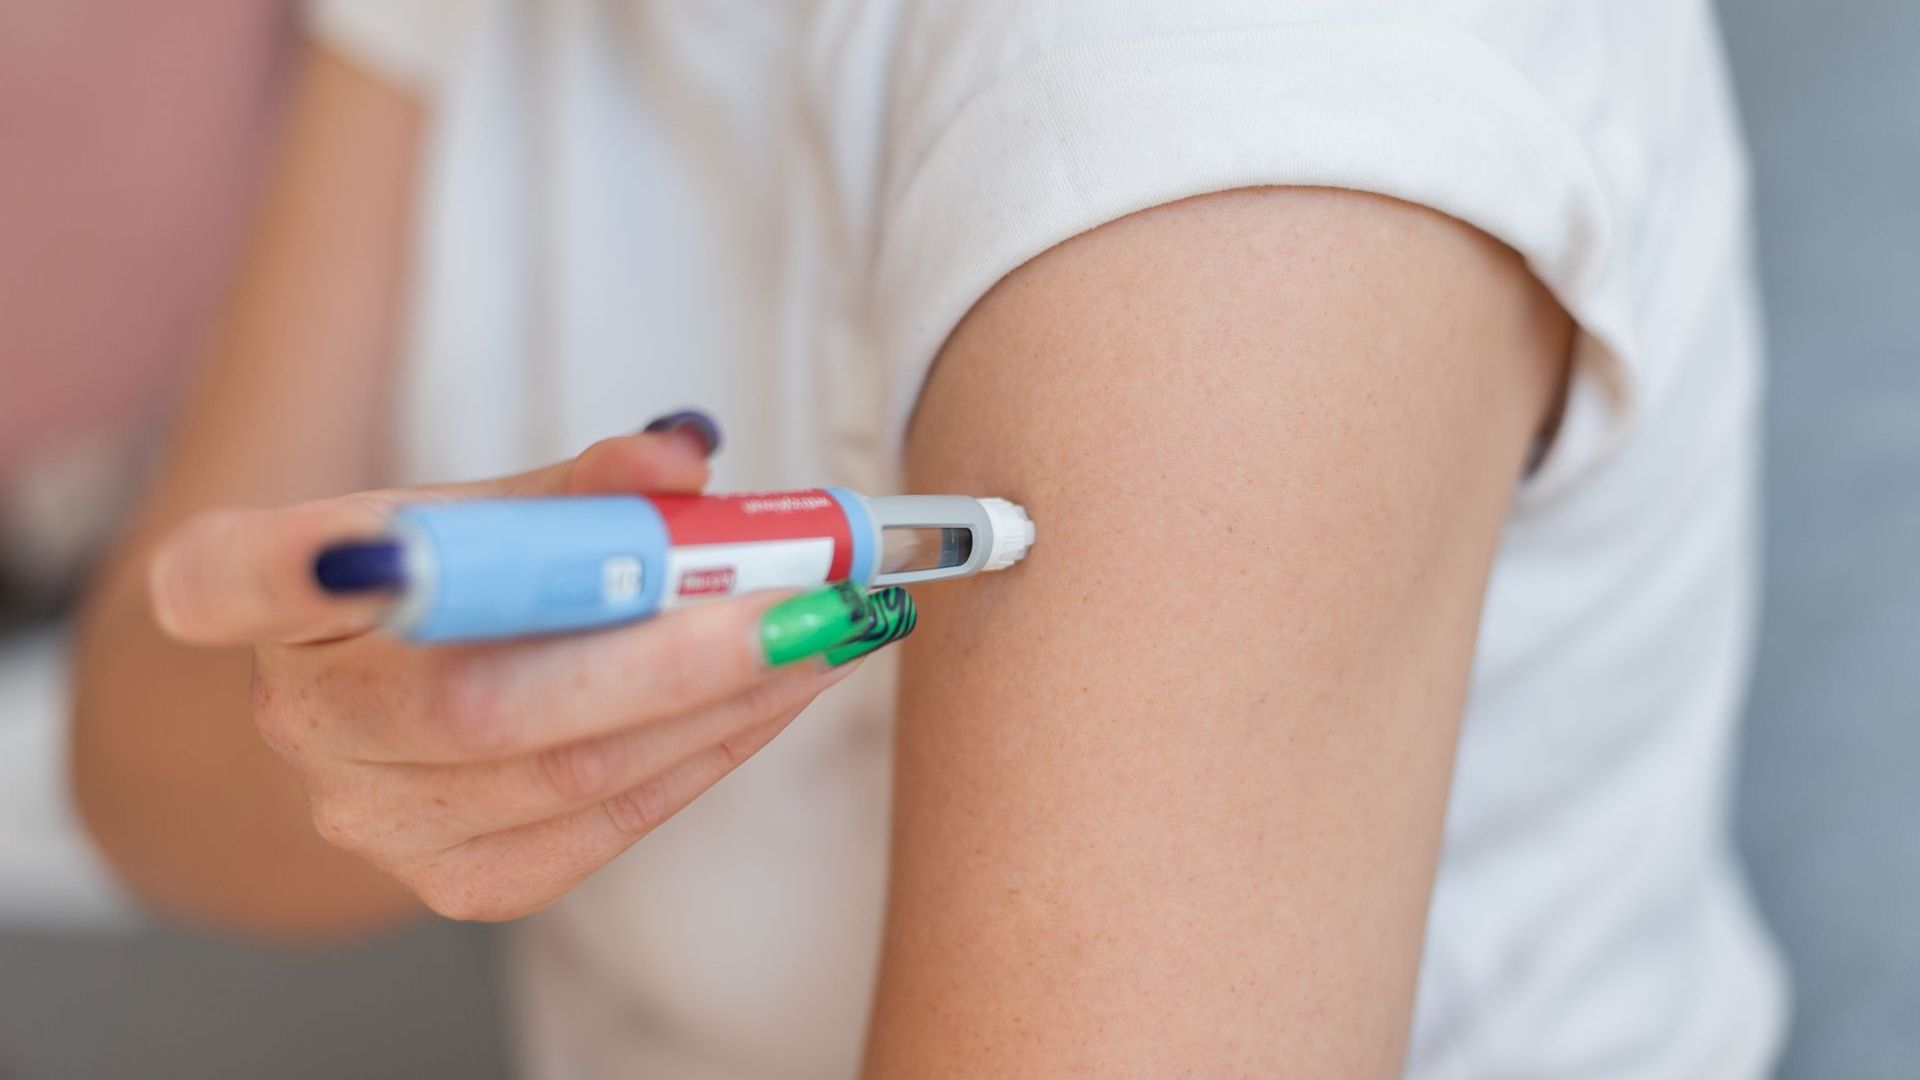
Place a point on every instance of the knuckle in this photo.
(636, 812)
(469, 709)
(765, 700)
(738, 748)
(579, 770)
(341, 823)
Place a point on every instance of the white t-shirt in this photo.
(779, 209)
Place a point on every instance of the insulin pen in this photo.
(502, 568)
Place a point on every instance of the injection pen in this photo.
(502, 568)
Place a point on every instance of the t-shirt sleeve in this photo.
(410, 42)
(1070, 136)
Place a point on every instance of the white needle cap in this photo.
(1012, 533)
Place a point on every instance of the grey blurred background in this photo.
(1829, 810)
(1830, 807)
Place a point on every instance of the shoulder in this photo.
(1015, 126)
(1136, 104)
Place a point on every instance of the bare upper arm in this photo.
(1169, 795)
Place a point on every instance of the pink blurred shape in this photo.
(130, 138)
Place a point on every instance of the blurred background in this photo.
(129, 133)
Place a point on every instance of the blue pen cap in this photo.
(515, 567)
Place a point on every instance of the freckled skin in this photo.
(1169, 793)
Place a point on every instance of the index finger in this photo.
(231, 577)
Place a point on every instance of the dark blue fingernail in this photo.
(360, 566)
(694, 420)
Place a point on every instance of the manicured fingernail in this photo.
(694, 422)
(894, 617)
(811, 623)
(360, 566)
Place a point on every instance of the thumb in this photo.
(670, 461)
(668, 456)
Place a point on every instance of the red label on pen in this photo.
(694, 520)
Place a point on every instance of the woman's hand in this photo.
(491, 779)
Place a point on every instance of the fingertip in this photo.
(682, 442)
(894, 616)
(228, 576)
(663, 462)
(171, 592)
(160, 593)
(808, 625)
(696, 426)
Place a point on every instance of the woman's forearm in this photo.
(192, 810)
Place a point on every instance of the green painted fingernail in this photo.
(811, 623)
(894, 617)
